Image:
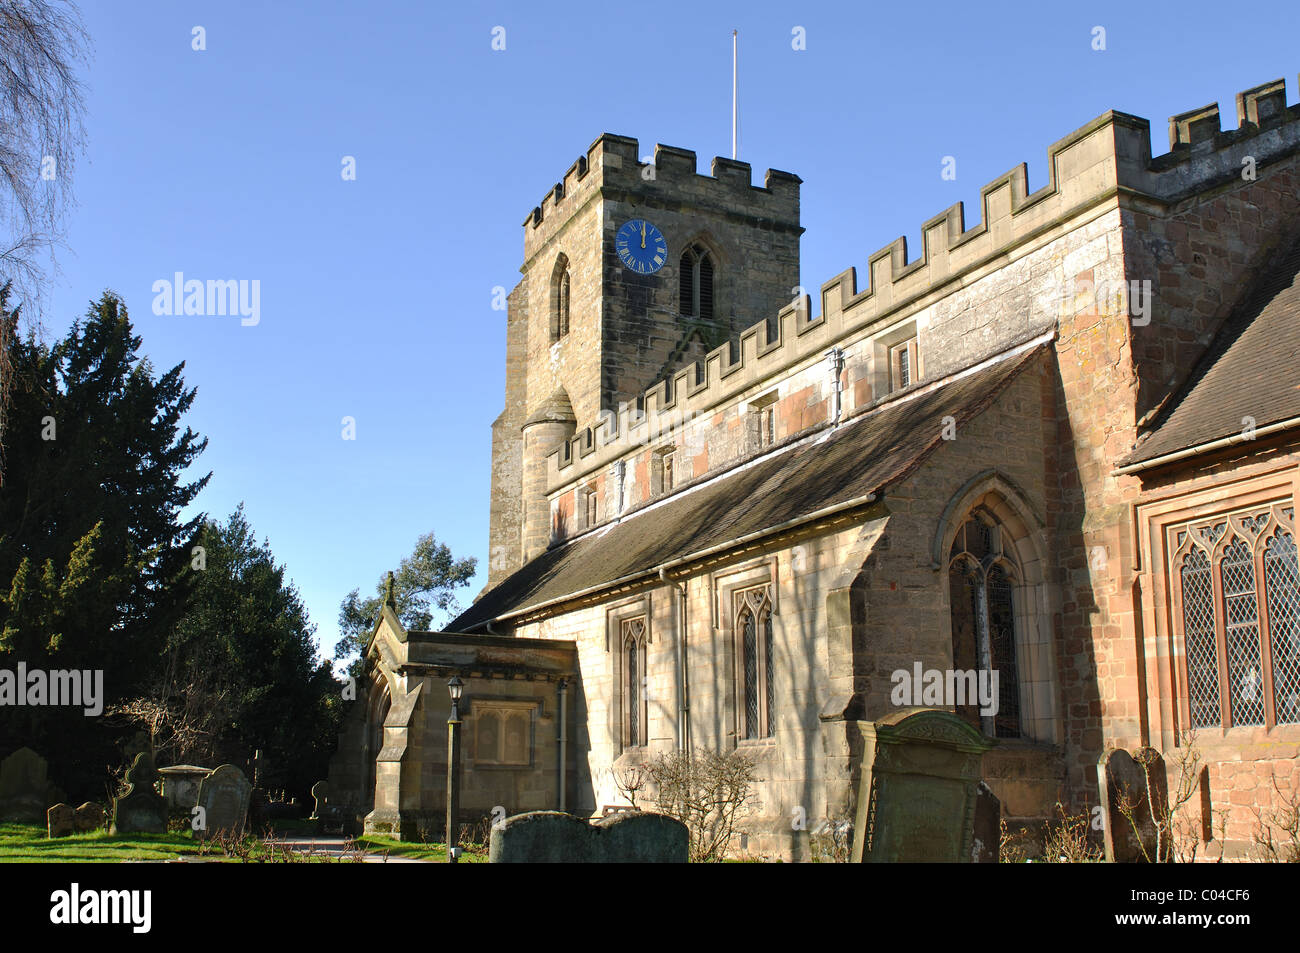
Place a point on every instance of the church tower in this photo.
(632, 270)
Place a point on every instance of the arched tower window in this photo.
(560, 299)
(982, 577)
(695, 283)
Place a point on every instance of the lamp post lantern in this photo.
(456, 688)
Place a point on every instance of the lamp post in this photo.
(456, 688)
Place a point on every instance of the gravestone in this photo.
(919, 786)
(541, 837)
(987, 840)
(23, 787)
(320, 792)
(224, 795)
(89, 817)
(180, 784)
(141, 809)
(330, 817)
(24, 782)
(60, 821)
(1129, 824)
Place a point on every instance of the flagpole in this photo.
(735, 115)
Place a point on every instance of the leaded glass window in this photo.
(1238, 590)
(632, 632)
(982, 579)
(1198, 631)
(1282, 586)
(757, 685)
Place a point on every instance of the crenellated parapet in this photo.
(1108, 160)
(612, 166)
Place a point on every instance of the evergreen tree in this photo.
(94, 558)
(247, 646)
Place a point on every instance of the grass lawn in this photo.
(416, 851)
(27, 843)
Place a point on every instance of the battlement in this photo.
(1103, 161)
(613, 164)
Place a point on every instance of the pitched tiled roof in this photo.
(796, 482)
(1249, 370)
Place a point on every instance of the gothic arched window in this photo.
(757, 693)
(695, 283)
(635, 713)
(982, 579)
(560, 299)
(1238, 589)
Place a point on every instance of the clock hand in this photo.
(643, 234)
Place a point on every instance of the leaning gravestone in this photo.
(921, 771)
(23, 787)
(224, 795)
(60, 821)
(89, 817)
(542, 837)
(1134, 793)
(987, 843)
(141, 809)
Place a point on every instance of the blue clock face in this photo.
(641, 247)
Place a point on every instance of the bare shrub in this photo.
(831, 842)
(1276, 839)
(1012, 848)
(1067, 841)
(707, 791)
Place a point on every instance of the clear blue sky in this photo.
(376, 293)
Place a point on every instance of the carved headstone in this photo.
(141, 809)
(321, 792)
(986, 844)
(23, 787)
(224, 795)
(920, 782)
(90, 817)
(60, 821)
(1134, 794)
(541, 837)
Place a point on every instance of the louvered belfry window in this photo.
(1237, 592)
(695, 283)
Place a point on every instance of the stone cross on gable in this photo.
(389, 598)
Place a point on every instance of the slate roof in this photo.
(860, 457)
(1249, 370)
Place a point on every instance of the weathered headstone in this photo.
(919, 784)
(89, 817)
(987, 840)
(180, 784)
(60, 821)
(541, 837)
(24, 787)
(224, 795)
(1134, 794)
(329, 817)
(141, 809)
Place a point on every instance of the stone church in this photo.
(1061, 444)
